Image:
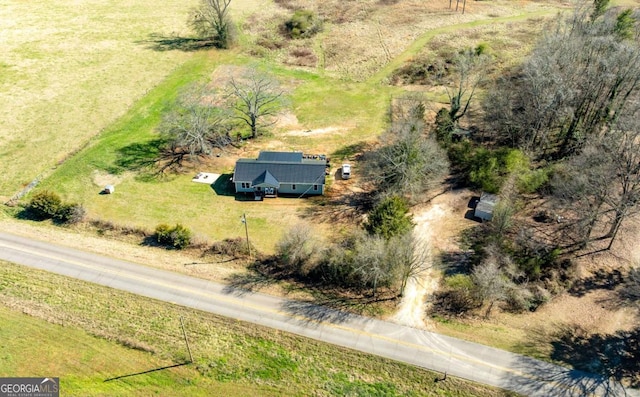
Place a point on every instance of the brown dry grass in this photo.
(362, 37)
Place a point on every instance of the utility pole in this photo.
(246, 232)
(184, 333)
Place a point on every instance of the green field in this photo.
(69, 69)
(87, 328)
(127, 84)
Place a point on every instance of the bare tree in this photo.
(408, 162)
(470, 70)
(492, 285)
(371, 263)
(623, 147)
(257, 99)
(581, 187)
(195, 125)
(297, 247)
(409, 257)
(211, 20)
(602, 183)
(581, 77)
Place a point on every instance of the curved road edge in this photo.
(425, 349)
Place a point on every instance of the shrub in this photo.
(303, 24)
(482, 48)
(488, 169)
(178, 237)
(535, 263)
(233, 247)
(444, 126)
(519, 299)
(459, 296)
(44, 205)
(162, 233)
(460, 281)
(334, 268)
(71, 213)
(532, 181)
(485, 171)
(390, 218)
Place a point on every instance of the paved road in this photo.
(425, 349)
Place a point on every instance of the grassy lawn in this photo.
(230, 357)
(319, 102)
(34, 347)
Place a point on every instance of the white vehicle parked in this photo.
(346, 171)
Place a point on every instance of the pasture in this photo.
(97, 333)
(69, 70)
(329, 97)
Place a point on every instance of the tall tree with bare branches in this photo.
(408, 163)
(580, 79)
(211, 21)
(194, 126)
(470, 68)
(256, 99)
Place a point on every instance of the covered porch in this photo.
(265, 185)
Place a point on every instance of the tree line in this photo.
(573, 107)
(562, 126)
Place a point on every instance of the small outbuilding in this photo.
(486, 205)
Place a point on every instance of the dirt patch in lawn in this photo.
(101, 179)
(317, 131)
(290, 126)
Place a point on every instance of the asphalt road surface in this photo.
(418, 347)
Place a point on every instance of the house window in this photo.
(293, 187)
(315, 187)
(245, 185)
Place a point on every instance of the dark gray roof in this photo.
(248, 171)
(281, 157)
(265, 179)
(299, 171)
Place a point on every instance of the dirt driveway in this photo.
(438, 223)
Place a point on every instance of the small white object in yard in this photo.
(109, 189)
(205, 177)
